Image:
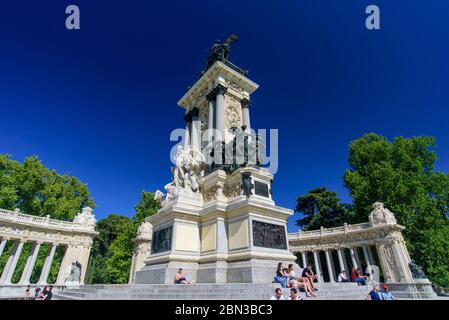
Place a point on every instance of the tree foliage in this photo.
(37, 190)
(112, 250)
(321, 208)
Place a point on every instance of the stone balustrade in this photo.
(20, 228)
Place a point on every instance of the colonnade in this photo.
(20, 229)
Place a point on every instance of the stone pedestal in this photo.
(227, 237)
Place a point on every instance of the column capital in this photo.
(211, 96)
(194, 112)
(220, 89)
(245, 103)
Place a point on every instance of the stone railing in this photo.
(42, 222)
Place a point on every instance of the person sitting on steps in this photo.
(300, 282)
(308, 273)
(355, 277)
(280, 276)
(179, 277)
(342, 277)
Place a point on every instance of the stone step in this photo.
(327, 291)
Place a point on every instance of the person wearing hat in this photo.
(386, 294)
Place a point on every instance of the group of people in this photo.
(294, 295)
(376, 294)
(288, 279)
(45, 294)
(356, 276)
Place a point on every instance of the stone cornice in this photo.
(210, 77)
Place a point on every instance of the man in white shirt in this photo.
(278, 295)
(342, 277)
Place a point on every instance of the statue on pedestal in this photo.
(416, 270)
(74, 277)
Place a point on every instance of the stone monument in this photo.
(218, 220)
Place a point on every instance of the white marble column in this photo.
(366, 255)
(329, 266)
(317, 266)
(353, 258)
(357, 258)
(11, 264)
(340, 261)
(211, 118)
(29, 266)
(2, 246)
(245, 115)
(188, 121)
(388, 274)
(220, 91)
(304, 259)
(370, 255)
(345, 262)
(47, 265)
(196, 129)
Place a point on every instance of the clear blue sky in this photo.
(100, 102)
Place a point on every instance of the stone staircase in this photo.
(229, 291)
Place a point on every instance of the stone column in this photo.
(2, 246)
(401, 261)
(245, 115)
(211, 119)
(365, 255)
(47, 265)
(304, 259)
(340, 261)
(388, 274)
(29, 266)
(196, 129)
(11, 264)
(220, 91)
(317, 266)
(329, 266)
(321, 267)
(353, 258)
(357, 258)
(368, 262)
(188, 121)
(345, 262)
(370, 254)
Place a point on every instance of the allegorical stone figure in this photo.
(416, 270)
(75, 273)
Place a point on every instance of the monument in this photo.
(218, 220)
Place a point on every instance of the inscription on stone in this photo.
(261, 189)
(269, 235)
(161, 240)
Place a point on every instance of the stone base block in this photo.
(212, 272)
(249, 271)
(164, 273)
(416, 289)
(255, 271)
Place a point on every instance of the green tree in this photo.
(401, 174)
(121, 251)
(146, 207)
(109, 229)
(321, 208)
(112, 251)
